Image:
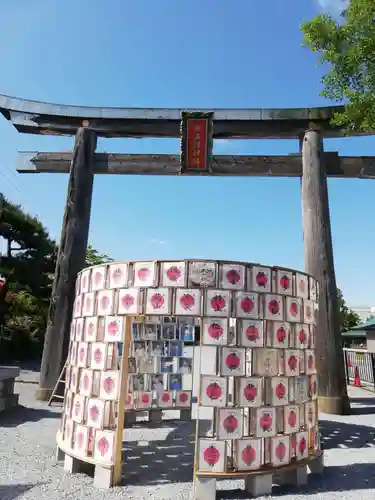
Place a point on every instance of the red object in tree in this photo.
(357, 380)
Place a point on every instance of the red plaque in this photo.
(196, 142)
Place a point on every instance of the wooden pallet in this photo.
(61, 381)
(259, 483)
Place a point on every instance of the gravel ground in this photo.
(28, 469)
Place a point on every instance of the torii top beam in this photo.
(35, 117)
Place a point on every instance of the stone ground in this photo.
(159, 463)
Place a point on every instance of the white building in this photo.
(364, 312)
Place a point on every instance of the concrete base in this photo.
(72, 465)
(334, 405)
(259, 485)
(43, 394)
(316, 466)
(296, 477)
(7, 397)
(204, 488)
(103, 477)
(60, 454)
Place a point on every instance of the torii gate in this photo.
(309, 125)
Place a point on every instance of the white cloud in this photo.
(334, 7)
(157, 242)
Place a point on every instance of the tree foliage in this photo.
(94, 258)
(347, 47)
(348, 318)
(31, 254)
(28, 266)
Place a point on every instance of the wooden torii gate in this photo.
(312, 165)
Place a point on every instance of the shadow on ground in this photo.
(336, 478)
(11, 491)
(342, 435)
(20, 414)
(167, 461)
(363, 406)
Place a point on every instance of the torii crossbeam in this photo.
(308, 125)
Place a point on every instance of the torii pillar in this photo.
(70, 260)
(333, 396)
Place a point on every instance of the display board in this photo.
(258, 381)
(95, 379)
(257, 367)
(160, 365)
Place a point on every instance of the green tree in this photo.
(30, 254)
(347, 48)
(28, 266)
(348, 318)
(94, 257)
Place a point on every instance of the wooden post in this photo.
(333, 396)
(70, 260)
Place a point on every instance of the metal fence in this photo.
(364, 361)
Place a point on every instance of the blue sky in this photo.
(206, 53)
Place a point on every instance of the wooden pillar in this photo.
(70, 260)
(333, 396)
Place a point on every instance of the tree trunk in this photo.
(333, 397)
(70, 260)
